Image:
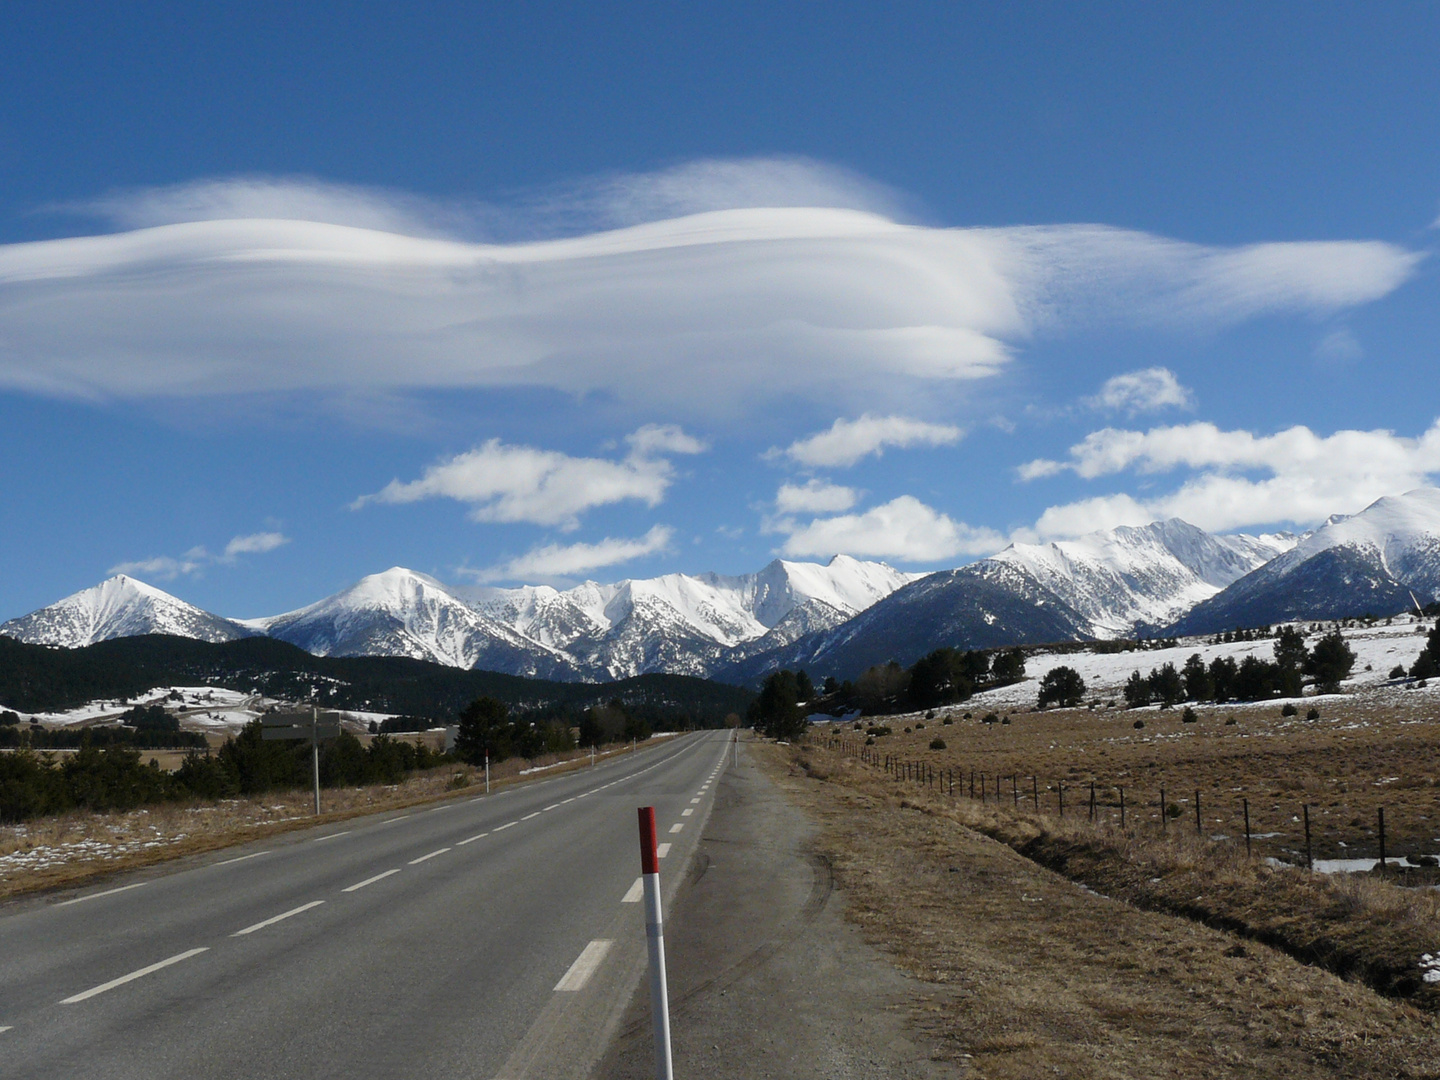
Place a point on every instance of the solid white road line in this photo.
(277, 918)
(584, 965)
(527, 817)
(113, 983)
(636, 891)
(422, 858)
(661, 850)
(507, 825)
(677, 826)
(687, 811)
(95, 895)
(370, 880)
(242, 858)
(472, 839)
(332, 836)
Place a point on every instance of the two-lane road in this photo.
(481, 937)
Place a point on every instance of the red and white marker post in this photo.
(655, 937)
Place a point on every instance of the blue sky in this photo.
(288, 297)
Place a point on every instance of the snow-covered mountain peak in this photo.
(120, 606)
(1395, 521)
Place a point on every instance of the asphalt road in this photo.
(480, 937)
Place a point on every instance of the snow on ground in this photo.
(1377, 649)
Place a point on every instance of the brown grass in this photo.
(1362, 755)
(1026, 974)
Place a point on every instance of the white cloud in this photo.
(653, 439)
(904, 529)
(814, 497)
(168, 568)
(778, 279)
(847, 441)
(1302, 477)
(505, 483)
(254, 544)
(554, 561)
(1143, 391)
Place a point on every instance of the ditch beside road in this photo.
(830, 928)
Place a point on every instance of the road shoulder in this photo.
(767, 977)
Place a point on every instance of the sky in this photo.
(290, 294)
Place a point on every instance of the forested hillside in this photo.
(37, 678)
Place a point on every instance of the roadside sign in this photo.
(312, 725)
(306, 725)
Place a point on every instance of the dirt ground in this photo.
(1043, 977)
(1362, 755)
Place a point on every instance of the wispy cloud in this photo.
(722, 285)
(846, 442)
(197, 559)
(561, 561)
(1142, 391)
(505, 483)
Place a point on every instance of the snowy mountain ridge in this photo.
(1128, 577)
(676, 623)
(835, 618)
(121, 606)
(1381, 560)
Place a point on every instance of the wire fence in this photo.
(1162, 809)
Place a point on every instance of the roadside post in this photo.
(310, 724)
(655, 940)
(487, 772)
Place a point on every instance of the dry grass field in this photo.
(1365, 753)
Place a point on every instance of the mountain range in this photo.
(1168, 577)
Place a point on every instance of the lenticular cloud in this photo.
(704, 312)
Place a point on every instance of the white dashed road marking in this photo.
(472, 839)
(422, 858)
(277, 918)
(96, 895)
(584, 966)
(370, 880)
(241, 858)
(552, 806)
(661, 850)
(677, 826)
(332, 836)
(507, 825)
(687, 811)
(695, 800)
(527, 817)
(635, 892)
(113, 983)
(392, 821)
